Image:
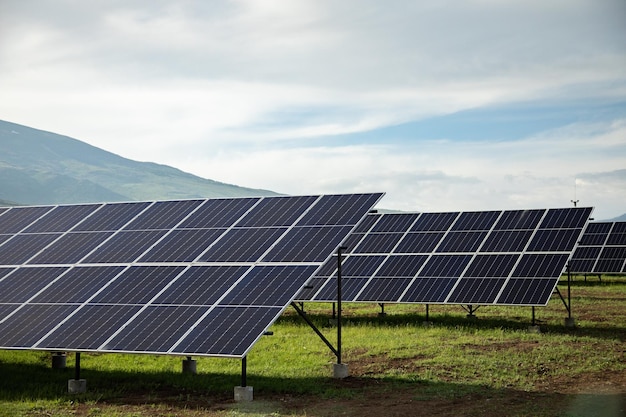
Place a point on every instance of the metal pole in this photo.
(244, 378)
(339, 249)
(427, 313)
(533, 315)
(569, 292)
(77, 367)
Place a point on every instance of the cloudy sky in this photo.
(445, 105)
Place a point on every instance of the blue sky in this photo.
(446, 105)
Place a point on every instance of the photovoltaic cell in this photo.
(456, 258)
(602, 249)
(192, 277)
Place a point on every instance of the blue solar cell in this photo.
(506, 241)
(582, 265)
(519, 219)
(607, 266)
(476, 220)
(350, 288)
(163, 215)
(378, 243)
(566, 218)
(613, 253)
(71, 248)
(476, 291)
(31, 323)
(277, 211)
(25, 283)
(360, 266)
(182, 245)
(402, 266)
(201, 285)
(219, 213)
(308, 244)
(428, 290)
(395, 223)
(329, 267)
(592, 239)
(587, 252)
(62, 218)
(228, 331)
(156, 329)
(243, 245)
(78, 332)
(616, 239)
(433, 222)
(367, 223)
(384, 289)
(125, 247)
(339, 209)
(111, 217)
(5, 271)
(461, 242)
(269, 286)
(541, 265)
(419, 242)
(18, 218)
(554, 240)
(445, 266)
(5, 310)
(491, 266)
(138, 285)
(78, 284)
(535, 291)
(599, 228)
(352, 241)
(23, 247)
(619, 227)
(4, 238)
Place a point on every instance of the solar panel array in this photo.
(602, 249)
(191, 277)
(469, 258)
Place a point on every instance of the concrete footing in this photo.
(332, 322)
(244, 394)
(428, 324)
(570, 322)
(77, 386)
(189, 366)
(340, 371)
(534, 329)
(59, 361)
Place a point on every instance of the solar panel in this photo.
(602, 249)
(512, 257)
(189, 277)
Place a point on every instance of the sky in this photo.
(447, 105)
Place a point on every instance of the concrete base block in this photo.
(244, 394)
(471, 317)
(382, 314)
(340, 371)
(534, 329)
(189, 366)
(428, 324)
(570, 322)
(77, 386)
(59, 361)
(332, 322)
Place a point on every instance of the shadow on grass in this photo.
(458, 321)
(311, 395)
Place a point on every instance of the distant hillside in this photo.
(621, 218)
(38, 167)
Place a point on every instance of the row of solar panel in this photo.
(516, 261)
(246, 231)
(69, 278)
(60, 307)
(602, 249)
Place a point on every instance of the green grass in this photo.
(493, 356)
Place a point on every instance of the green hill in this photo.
(38, 167)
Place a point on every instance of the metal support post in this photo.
(382, 309)
(533, 319)
(334, 312)
(427, 312)
(339, 250)
(77, 367)
(244, 377)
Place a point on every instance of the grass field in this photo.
(488, 366)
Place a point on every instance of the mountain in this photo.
(38, 167)
(621, 218)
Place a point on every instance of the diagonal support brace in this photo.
(315, 329)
